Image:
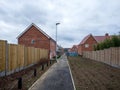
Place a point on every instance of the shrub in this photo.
(116, 41)
(95, 47)
(113, 42)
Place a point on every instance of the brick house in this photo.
(87, 44)
(74, 49)
(33, 36)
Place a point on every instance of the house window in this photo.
(86, 45)
(32, 41)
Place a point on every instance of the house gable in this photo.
(74, 48)
(87, 38)
(33, 36)
(87, 44)
(33, 33)
(90, 40)
(36, 28)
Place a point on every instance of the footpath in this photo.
(57, 77)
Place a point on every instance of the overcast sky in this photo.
(78, 18)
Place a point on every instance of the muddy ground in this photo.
(92, 75)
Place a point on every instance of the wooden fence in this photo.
(109, 56)
(16, 57)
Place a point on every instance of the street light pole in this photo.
(56, 39)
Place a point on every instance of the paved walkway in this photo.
(56, 78)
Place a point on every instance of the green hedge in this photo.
(113, 42)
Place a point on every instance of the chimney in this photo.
(107, 35)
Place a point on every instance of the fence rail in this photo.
(16, 57)
(109, 56)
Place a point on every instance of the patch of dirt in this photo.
(11, 82)
(92, 75)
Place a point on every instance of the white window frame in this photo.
(86, 45)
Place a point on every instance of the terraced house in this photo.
(87, 44)
(33, 36)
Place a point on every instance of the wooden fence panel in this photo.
(41, 53)
(102, 60)
(99, 55)
(12, 56)
(99, 52)
(95, 55)
(33, 55)
(88, 55)
(2, 55)
(25, 56)
(36, 55)
(116, 56)
(45, 54)
(92, 55)
(119, 56)
(105, 55)
(20, 55)
(110, 56)
(29, 55)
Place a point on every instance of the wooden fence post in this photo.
(35, 72)
(6, 58)
(20, 83)
(42, 66)
(47, 64)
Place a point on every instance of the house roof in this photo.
(75, 46)
(37, 28)
(84, 40)
(100, 38)
(30, 27)
(97, 38)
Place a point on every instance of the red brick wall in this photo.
(41, 41)
(74, 49)
(80, 49)
(52, 48)
(91, 42)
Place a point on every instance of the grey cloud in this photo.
(25, 15)
(67, 39)
(77, 17)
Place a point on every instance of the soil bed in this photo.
(92, 75)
